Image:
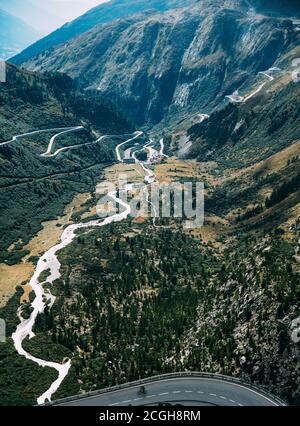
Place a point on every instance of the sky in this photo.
(70, 9)
(47, 15)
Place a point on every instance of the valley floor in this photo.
(186, 304)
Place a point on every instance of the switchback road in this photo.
(185, 390)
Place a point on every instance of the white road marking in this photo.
(248, 389)
(175, 393)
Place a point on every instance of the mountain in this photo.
(219, 82)
(101, 14)
(163, 66)
(15, 34)
(34, 14)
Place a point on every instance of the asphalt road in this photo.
(195, 391)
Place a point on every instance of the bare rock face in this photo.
(164, 65)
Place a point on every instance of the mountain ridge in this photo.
(103, 13)
(145, 296)
(160, 66)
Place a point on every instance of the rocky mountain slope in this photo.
(101, 14)
(240, 134)
(163, 66)
(252, 149)
(117, 9)
(280, 7)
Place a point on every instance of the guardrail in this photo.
(161, 377)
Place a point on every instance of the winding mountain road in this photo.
(71, 147)
(36, 132)
(61, 132)
(48, 153)
(194, 389)
(136, 135)
(235, 98)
